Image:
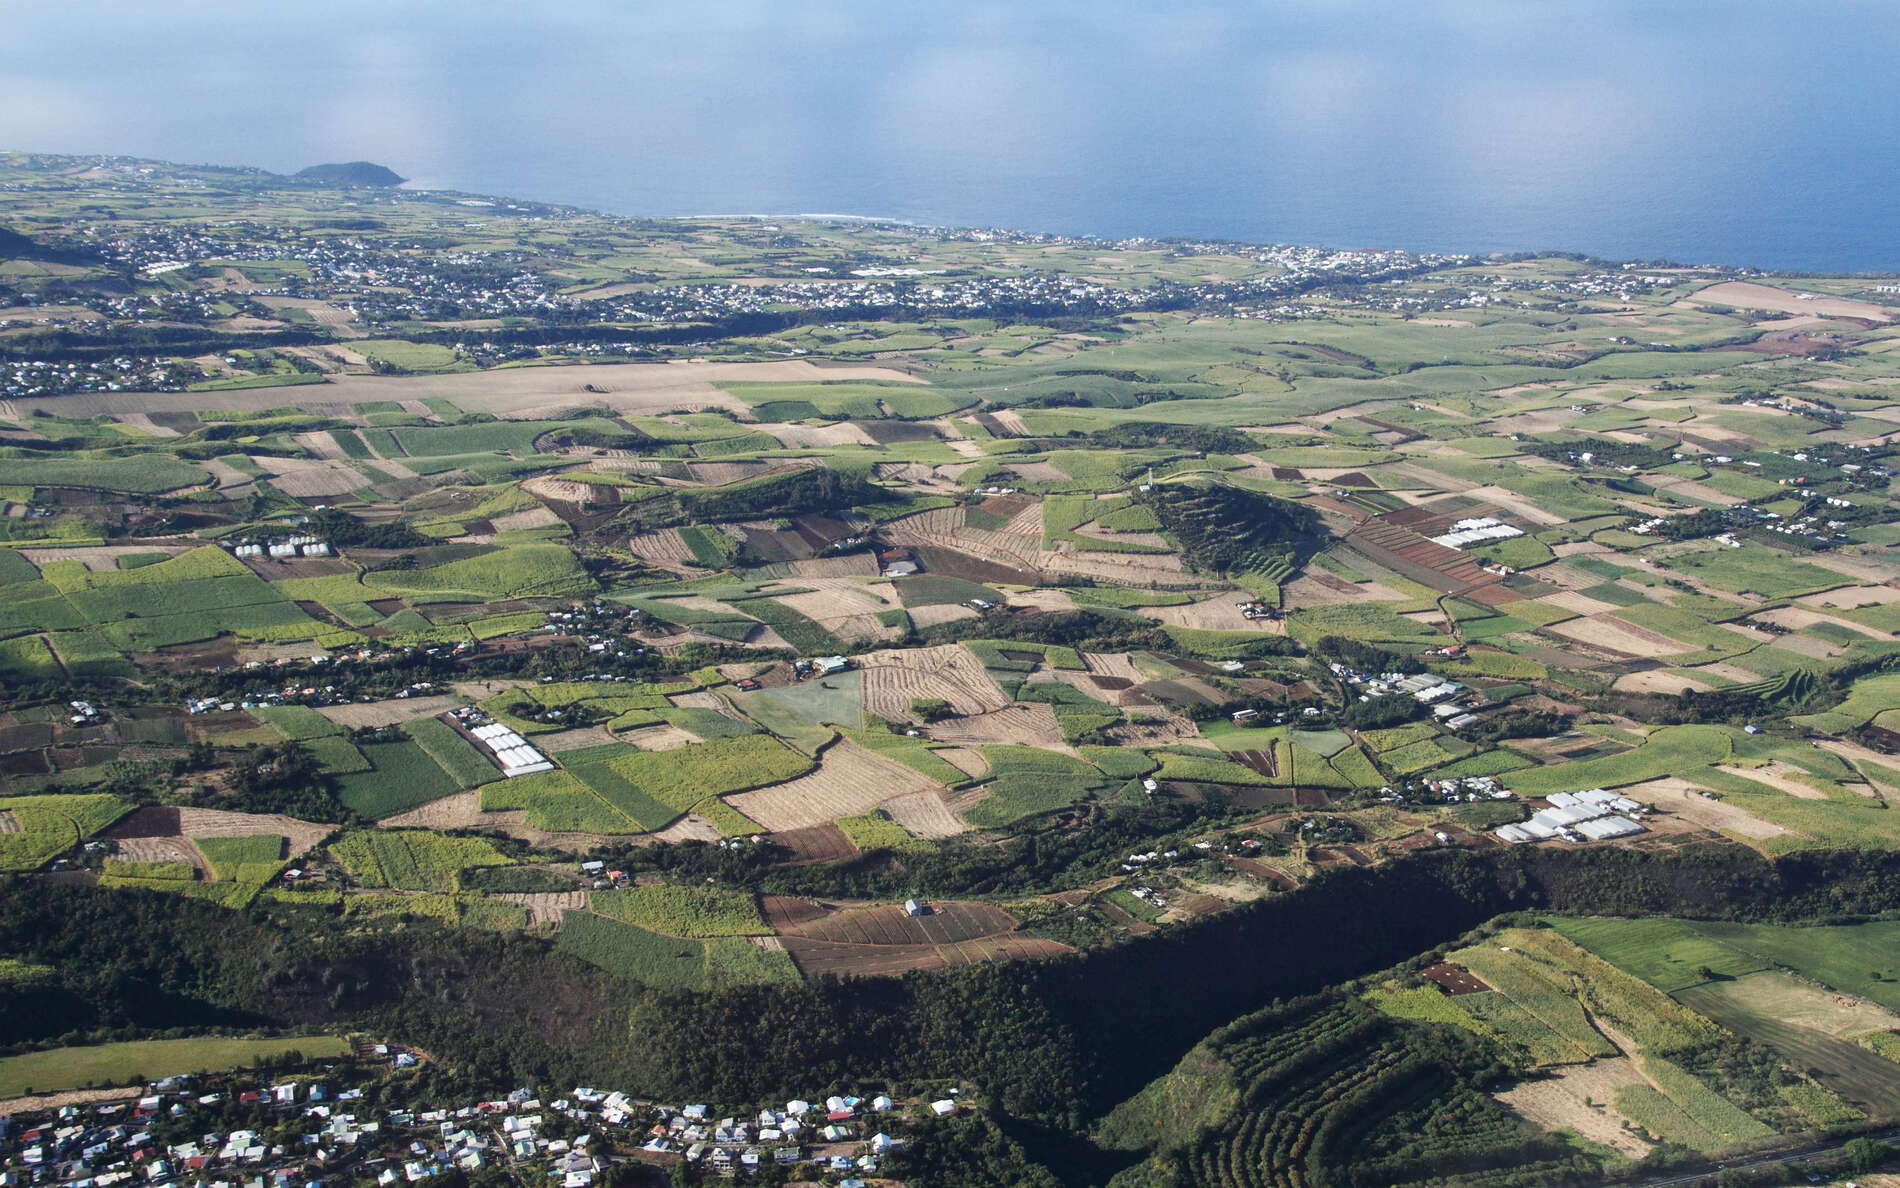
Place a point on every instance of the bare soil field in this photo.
(665, 549)
(534, 517)
(572, 740)
(99, 557)
(970, 763)
(1114, 665)
(948, 612)
(849, 781)
(321, 312)
(944, 923)
(1779, 776)
(849, 565)
(1318, 588)
(924, 814)
(1860, 757)
(1571, 600)
(53, 1101)
(819, 843)
(1219, 613)
(1658, 681)
(691, 827)
(1574, 1098)
(546, 907)
(1852, 597)
(1028, 725)
(1678, 796)
(1748, 295)
(320, 444)
(814, 437)
(658, 738)
(1615, 635)
(388, 713)
(1161, 571)
(302, 477)
(817, 959)
(1043, 600)
(301, 835)
(871, 941)
(892, 680)
(164, 849)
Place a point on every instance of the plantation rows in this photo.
(1334, 1095)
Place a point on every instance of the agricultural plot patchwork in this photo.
(1093, 627)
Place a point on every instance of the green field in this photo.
(669, 963)
(692, 912)
(413, 859)
(48, 826)
(401, 776)
(144, 1061)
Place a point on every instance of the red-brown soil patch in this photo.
(820, 843)
(1453, 979)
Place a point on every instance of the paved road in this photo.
(1765, 1160)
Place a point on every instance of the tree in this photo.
(1866, 1154)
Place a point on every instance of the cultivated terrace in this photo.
(915, 657)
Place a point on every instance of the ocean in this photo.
(1750, 132)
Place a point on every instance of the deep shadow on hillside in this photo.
(1059, 1041)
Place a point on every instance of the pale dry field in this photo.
(1777, 995)
(97, 557)
(1657, 682)
(1604, 631)
(1026, 725)
(1782, 777)
(300, 477)
(1574, 1098)
(1748, 295)
(931, 616)
(1797, 619)
(658, 738)
(690, 828)
(1045, 600)
(203, 822)
(1113, 664)
(892, 680)
(1852, 597)
(162, 849)
(849, 781)
(1308, 590)
(1583, 604)
(924, 814)
(849, 565)
(1682, 799)
(663, 548)
(813, 437)
(521, 521)
(320, 445)
(388, 713)
(1219, 613)
(546, 907)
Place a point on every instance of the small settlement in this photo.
(306, 1131)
